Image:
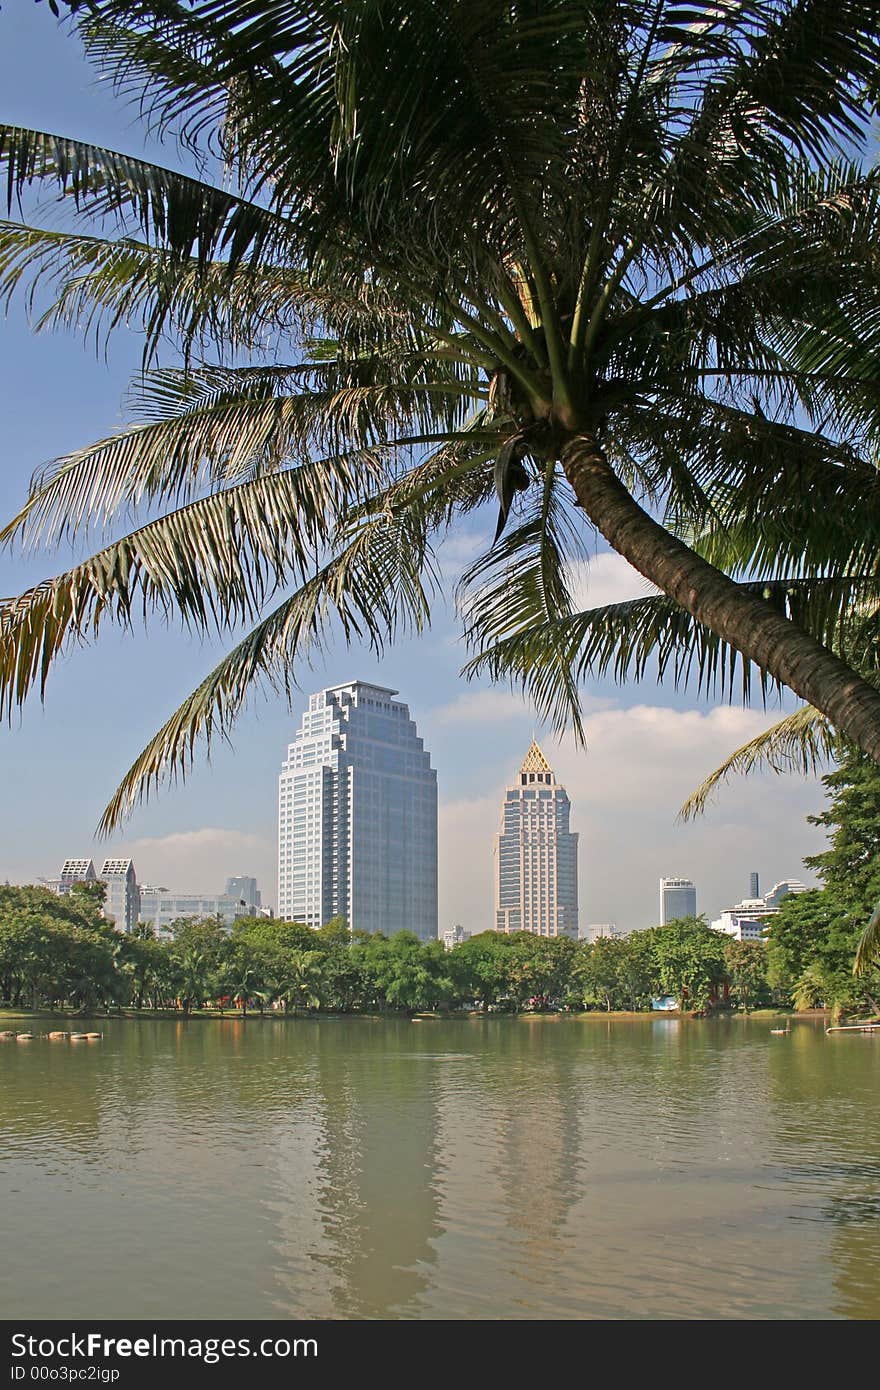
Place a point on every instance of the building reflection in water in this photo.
(361, 1230)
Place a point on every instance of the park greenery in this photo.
(60, 951)
(607, 270)
(57, 952)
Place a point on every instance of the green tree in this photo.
(815, 936)
(690, 962)
(56, 949)
(746, 963)
(850, 866)
(481, 968)
(796, 934)
(271, 946)
(605, 263)
(334, 933)
(408, 974)
(301, 980)
(600, 974)
(147, 965)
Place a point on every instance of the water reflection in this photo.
(488, 1167)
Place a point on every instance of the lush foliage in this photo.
(58, 951)
(814, 938)
(607, 267)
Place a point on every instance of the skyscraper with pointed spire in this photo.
(536, 887)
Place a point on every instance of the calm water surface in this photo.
(499, 1168)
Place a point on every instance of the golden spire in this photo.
(534, 761)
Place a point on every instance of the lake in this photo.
(481, 1168)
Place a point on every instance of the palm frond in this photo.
(650, 636)
(219, 425)
(189, 217)
(802, 742)
(523, 579)
(90, 282)
(868, 952)
(213, 563)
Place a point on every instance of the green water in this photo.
(499, 1168)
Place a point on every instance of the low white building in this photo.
(160, 907)
(603, 931)
(748, 920)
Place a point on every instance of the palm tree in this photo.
(302, 980)
(192, 969)
(609, 261)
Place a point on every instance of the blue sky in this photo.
(60, 763)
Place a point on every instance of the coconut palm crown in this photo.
(612, 263)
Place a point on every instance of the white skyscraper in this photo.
(678, 898)
(123, 902)
(357, 816)
(536, 887)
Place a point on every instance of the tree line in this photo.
(59, 952)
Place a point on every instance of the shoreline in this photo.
(232, 1016)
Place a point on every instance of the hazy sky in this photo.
(59, 763)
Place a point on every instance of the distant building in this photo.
(783, 889)
(754, 886)
(748, 920)
(536, 886)
(160, 907)
(245, 890)
(455, 936)
(603, 931)
(357, 816)
(72, 871)
(123, 901)
(745, 921)
(76, 871)
(678, 898)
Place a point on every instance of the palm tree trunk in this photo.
(755, 629)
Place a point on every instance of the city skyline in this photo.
(206, 900)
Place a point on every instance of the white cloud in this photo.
(476, 707)
(482, 707)
(459, 549)
(200, 861)
(626, 788)
(606, 578)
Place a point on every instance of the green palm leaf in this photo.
(802, 742)
(190, 217)
(868, 952)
